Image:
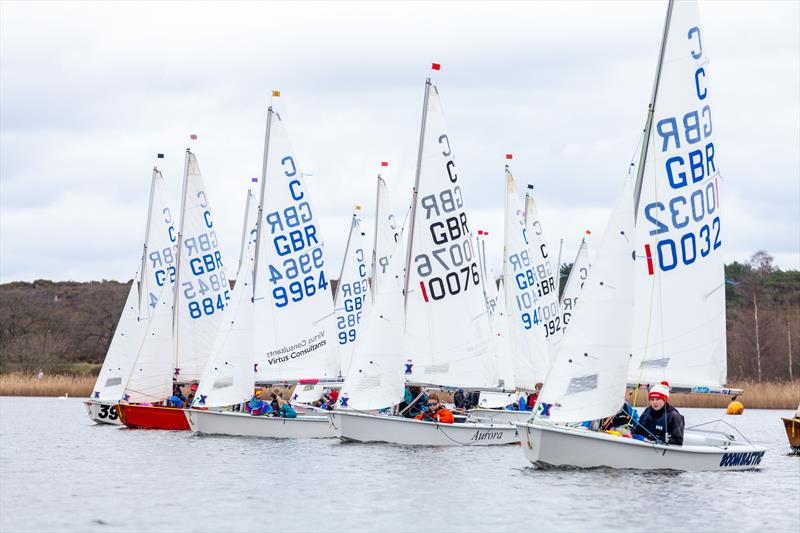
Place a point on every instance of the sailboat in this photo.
(577, 277)
(155, 274)
(282, 322)
(183, 331)
(435, 332)
(523, 305)
(653, 306)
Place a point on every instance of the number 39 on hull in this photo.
(103, 413)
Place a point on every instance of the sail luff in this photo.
(179, 250)
(414, 197)
(259, 221)
(143, 264)
(648, 128)
(344, 259)
(244, 231)
(374, 266)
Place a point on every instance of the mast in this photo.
(244, 231)
(344, 259)
(375, 239)
(146, 238)
(270, 112)
(637, 188)
(414, 197)
(177, 286)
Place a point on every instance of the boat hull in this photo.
(102, 413)
(364, 427)
(245, 425)
(152, 417)
(500, 415)
(793, 432)
(549, 446)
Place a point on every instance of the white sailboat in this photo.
(156, 272)
(282, 330)
(444, 329)
(181, 333)
(577, 277)
(655, 295)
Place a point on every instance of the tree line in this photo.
(66, 327)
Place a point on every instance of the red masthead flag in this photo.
(193, 137)
(384, 163)
(509, 156)
(436, 66)
(588, 232)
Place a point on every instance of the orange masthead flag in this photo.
(276, 93)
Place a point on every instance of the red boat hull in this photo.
(153, 417)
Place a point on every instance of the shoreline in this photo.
(765, 395)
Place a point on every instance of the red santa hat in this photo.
(659, 391)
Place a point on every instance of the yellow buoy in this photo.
(735, 408)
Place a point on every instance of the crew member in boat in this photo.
(192, 392)
(660, 420)
(177, 399)
(621, 421)
(532, 397)
(436, 411)
(413, 400)
(459, 400)
(284, 410)
(256, 406)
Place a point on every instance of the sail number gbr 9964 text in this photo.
(451, 255)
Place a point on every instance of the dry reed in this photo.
(50, 385)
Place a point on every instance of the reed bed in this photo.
(765, 395)
(17, 384)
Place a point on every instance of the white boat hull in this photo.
(500, 415)
(245, 425)
(548, 446)
(103, 413)
(363, 427)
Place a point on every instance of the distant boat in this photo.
(792, 426)
(653, 305)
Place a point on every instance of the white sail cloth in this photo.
(523, 303)
(294, 332)
(352, 293)
(577, 277)
(679, 316)
(140, 351)
(447, 331)
(387, 236)
(588, 377)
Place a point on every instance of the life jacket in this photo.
(442, 415)
(287, 411)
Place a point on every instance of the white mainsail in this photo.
(249, 231)
(156, 272)
(352, 293)
(447, 331)
(294, 332)
(523, 303)
(577, 277)
(546, 283)
(386, 238)
(588, 377)
(679, 317)
(202, 288)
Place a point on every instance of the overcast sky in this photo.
(90, 92)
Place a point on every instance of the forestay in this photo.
(156, 274)
(588, 377)
(448, 334)
(203, 290)
(352, 293)
(679, 317)
(294, 309)
(577, 277)
(523, 303)
(548, 309)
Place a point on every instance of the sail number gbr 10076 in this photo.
(454, 256)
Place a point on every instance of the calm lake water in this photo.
(61, 472)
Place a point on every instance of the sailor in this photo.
(532, 397)
(284, 409)
(436, 412)
(660, 420)
(192, 392)
(459, 399)
(413, 399)
(256, 406)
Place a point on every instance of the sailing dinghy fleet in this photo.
(421, 309)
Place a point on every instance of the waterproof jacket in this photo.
(654, 423)
(286, 411)
(441, 415)
(415, 409)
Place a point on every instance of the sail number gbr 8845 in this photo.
(686, 218)
(450, 247)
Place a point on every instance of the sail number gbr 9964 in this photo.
(296, 259)
(684, 223)
(448, 268)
